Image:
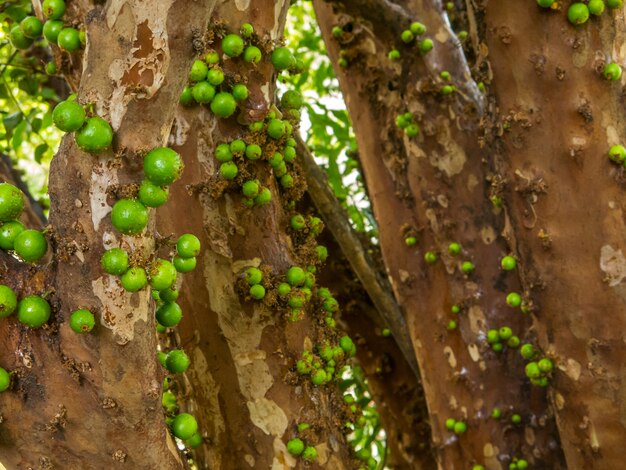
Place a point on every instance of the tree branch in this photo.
(376, 286)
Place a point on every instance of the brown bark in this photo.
(94, 401)
(435, 186)
(564, 210)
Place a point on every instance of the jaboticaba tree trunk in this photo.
(93, 401)
(566, 211)
(242, 384)
(434, 187)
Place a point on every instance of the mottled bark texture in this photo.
(93, 401)
(437, 187)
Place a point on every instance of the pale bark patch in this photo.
(613, 264)
(268, 416)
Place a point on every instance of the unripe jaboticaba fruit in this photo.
(5, 380)
(162, 274)
(162, 166)
(51, 30)
(199, 71)
(69, 39)
(33, 311)
(115, 261)
(82, 321)
(188, 246)
(31, 27)
(169, 314)
(69, 116)
(11, 202)
(252, 54)
(232, 45)
(203, 92)
(177, 361)
(95, 136)
(18, 39)
(129, 216)
(184, 426)
(184, 265)
(282, 58)
(30, 245)
(53, 9)
(223, 105)
(134, 279)
(152, 195)
(8, 301)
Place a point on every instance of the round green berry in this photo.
(184, 265)
(532, 370)
(545, 3)
(513, 342)
(417, 28)
(250, 188)
(513, 299)
(199, 71)
(596, 7)
(496, 413)
(8, 233)
(51, 30)
(169, 314)
(516, 419)
(223, 153)
(614, 4)
(309, 453)
(264, 197)
(617, 153)
(426, 45)
(11, 202)
(450, 422)
(188, 246)
(276, 128)
(203, 92)
(115, 261)
(430, 257)
(53, 9)
(162, 166)
(69, 39)
(215, 76)
(407, 36)
(257, 291)
(51, 68)
(129, 216)
(31, 27)
(223, 105)
(545, 365)
(253, 152)
(68, 116)
(394, 54)
(508, 263)
(297, 222)
(33, 311)
(460, 427)
(240, 92)
(527, 351)
(232, 45)
(229, 170)
(194, 441)
(212, 58)
(237, 147)
(578, 13)
(134, 279)
(467, 267)
(186, 97)
(505, 333)
(493, 337)
(253, 276)
(30, 245)
(8, 301)
(296, 276)
(318, 377)
(283, 289)
(292, 99)
(82, 321)
(295, 446)
(95, 136)
(252, 54)
(5, 380)
(19, 39)
(290, 154)
(152, 195)
(168, 295)
(247, 30)
(282, 58)
(177, 361)
(612, 71)
(184, 426)
(162, 274)
(522, 464)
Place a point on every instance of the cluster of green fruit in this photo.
(447, 88)
(456, 426)
(322, 366)
(30, 245)
(92, 134)
(32, 311)
(298, 448)
(538, 370)
(410, 36)
(578, 12)
(296, 291)
(54, 30)
(183, 425)
(406, 123)
(504, 335)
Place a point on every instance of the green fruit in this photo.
(240, 92)
(596, 7)
(33, 311)
(545, 3)
(151, 195)
(69, 116)
(275, 160)
(337, 31)
(184, 426)
(212, 58)
(612, 71)
(129, 216)
(460, 427)
(215, 76)
(8, 301)
(545, 365)
(253, 152)
(51, 68)
(114, 261)
(346, 343)
(228, 170)
(292, 99)
(223, 105)
(31, 27)
(508, 263)
(467, 267)
(282, 58)
(257, 291)
(82, 321)
(290, 154)
(194, 441)
(426, 45)
(505, 333)
(318, 377)
(295, 446)
(188, 246)
(203, 92)
(199, 71)
(169, 314)
(186, 97)
(296, 276)
(162, 166)
(53, 9)
(238, 147)
(11, 202)
(177, 361)
(5, 380)
(223, 153)
(430, 257)
(264, 197)
(417, 28)
(407, 36)
(30, 245)
(253, 276)
(450, 422)
(169, 295)
(394, 54)
(51, 30)
(184, 265)
(249, 189)
(247, 30)
(532, 370)
(18, 39)
(513, 299)
(95, 136)
(613, 4)
(8, 233)
(162, 274)
(283, 289)
(527, 351)
(276, 128)
(322, 252)
(232, 45)
(578, 13)
(69, 39)
(286, 181)
(252, 54)
(134, 279)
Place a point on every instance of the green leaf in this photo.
(12, 120)
(18, 135)
(40, 151)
